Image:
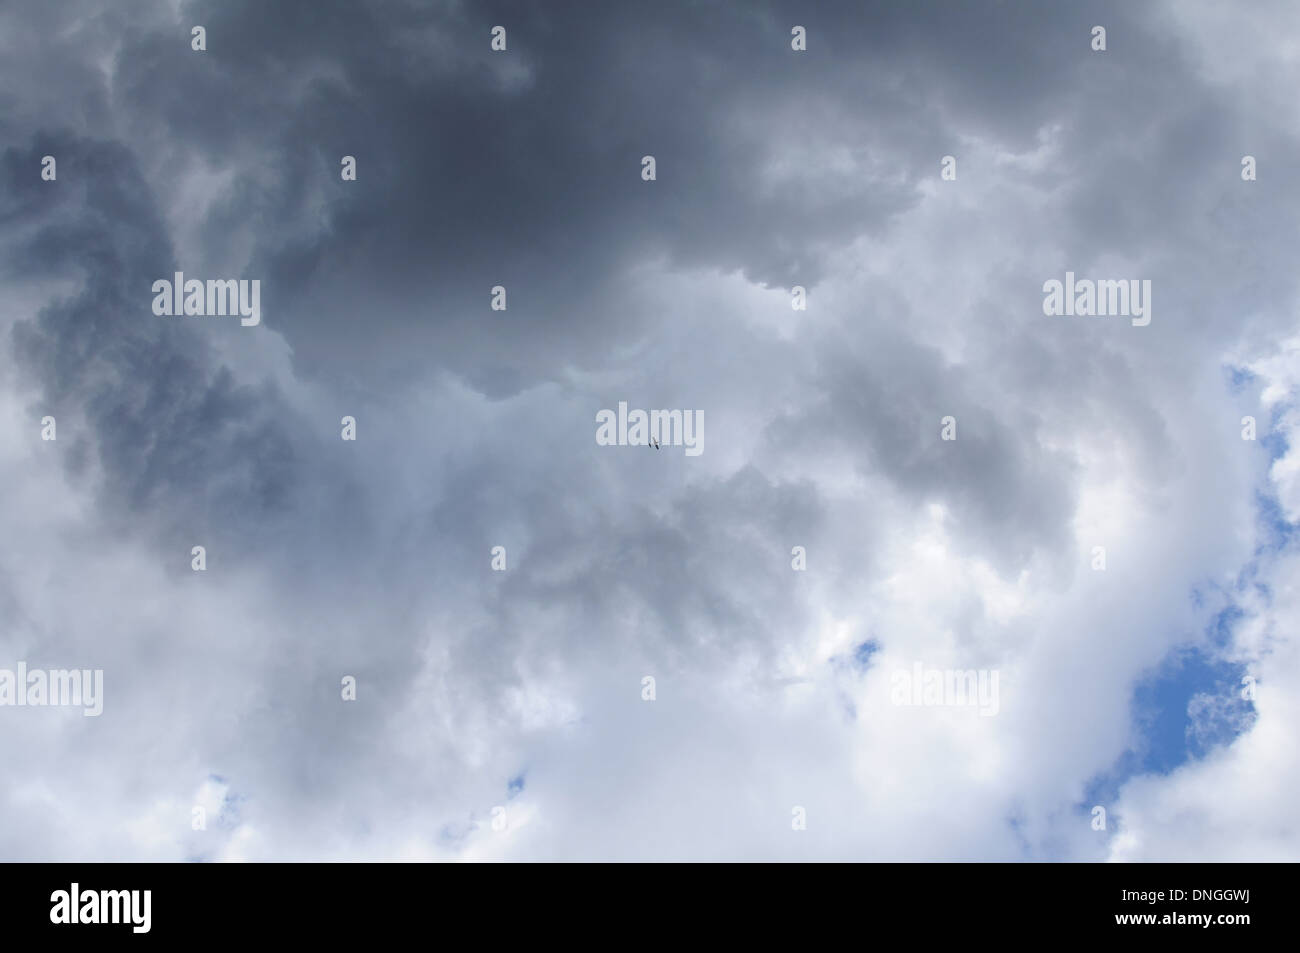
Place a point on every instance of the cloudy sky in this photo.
(517, 695)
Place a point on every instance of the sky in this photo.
(358, 673)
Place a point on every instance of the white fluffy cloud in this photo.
(371, 559)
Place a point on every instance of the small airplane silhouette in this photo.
(654, 442)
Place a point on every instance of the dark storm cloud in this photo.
(172, 431)
(464, 184)
(471, 176)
